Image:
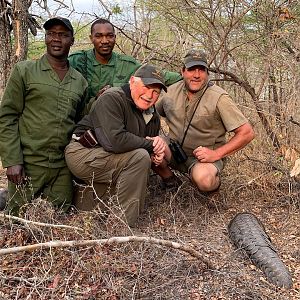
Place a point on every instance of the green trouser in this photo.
(126, 172)
(54, 185)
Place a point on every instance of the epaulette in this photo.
(127, 58)
(77, 53)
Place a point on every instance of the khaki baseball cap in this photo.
(59, 20)
(195, 58)
(150, 74)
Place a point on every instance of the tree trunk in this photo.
(20, 28)
(13, 36)
(5, 42)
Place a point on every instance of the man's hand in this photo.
(16, 174)
(157, 159)
(101, 91)
(159, 148)
(242, 136)
(159, 145)
(206, 155)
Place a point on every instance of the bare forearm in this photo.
(232, 146)
(243, 135)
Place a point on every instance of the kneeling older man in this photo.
(125, 126)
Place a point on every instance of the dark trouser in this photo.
(127, 172)
(54, 185)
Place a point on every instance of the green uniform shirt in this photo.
(116, 73)
(37, 114)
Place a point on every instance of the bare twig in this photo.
(112, 240)
(29, 281)
(106, 8)
(28, 222)
(270, 163)
(61, 3)
(251, 91)
(293, 121)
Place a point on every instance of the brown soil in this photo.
(147, 271)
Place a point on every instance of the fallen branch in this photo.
(112, 240)
(28, 222)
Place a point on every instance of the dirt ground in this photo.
(149, 271)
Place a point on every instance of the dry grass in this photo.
(143, 271)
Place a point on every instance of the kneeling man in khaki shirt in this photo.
(199, 113)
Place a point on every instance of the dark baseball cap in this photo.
(150, 74)
(59, 20)
(195, 58)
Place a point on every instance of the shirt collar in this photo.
(45, 63)
(111, 61)
(46, 66)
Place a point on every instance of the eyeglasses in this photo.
(60, 35)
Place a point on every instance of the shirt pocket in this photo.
(207, 127)
(34, 120)
(121, 78)
(68, 106)
(175, 114)
(204, 121)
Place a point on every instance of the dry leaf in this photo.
(160, 221)
(290, 154)
(133, 269)
(195, 296)
(55, 282)
(296, 169)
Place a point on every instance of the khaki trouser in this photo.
(126, 172)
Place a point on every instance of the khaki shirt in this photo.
(215, 115)
(38, 113)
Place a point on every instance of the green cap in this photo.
(195, 58)
(150, 74)
(59, 20)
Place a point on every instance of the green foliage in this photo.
(116, 10)
(82, 32)
(36, 48)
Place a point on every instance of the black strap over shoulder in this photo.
(207, 86)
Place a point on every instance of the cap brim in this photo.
(148, 81)
(55, 21)
(196, 63)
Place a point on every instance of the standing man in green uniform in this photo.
(101, 66)
(41, 103)
(211, 113)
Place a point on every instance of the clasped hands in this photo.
(159, 147)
